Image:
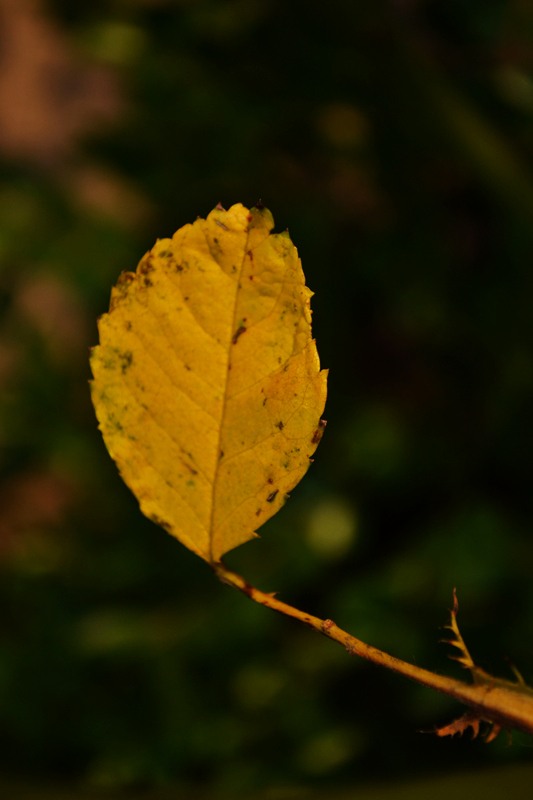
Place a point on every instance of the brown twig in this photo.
(494, 700)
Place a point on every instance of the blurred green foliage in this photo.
(396, 140)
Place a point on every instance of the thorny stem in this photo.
(502, 702)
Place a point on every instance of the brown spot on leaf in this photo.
(161, 522)
(270, 480)
(258, 512)
(114, 423)
(146, 265)
(125, 277)
(317, 435)
(250, 255)
(148, 282)
(221, 224)
(126, 359)
(238, 333)
(280, 425)
(271, 497)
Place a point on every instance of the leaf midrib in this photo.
(225, 396)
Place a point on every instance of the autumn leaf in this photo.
(208, 390)
(207, 383)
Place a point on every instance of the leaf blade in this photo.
(207, 384)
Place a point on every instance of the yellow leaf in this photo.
(207, 384)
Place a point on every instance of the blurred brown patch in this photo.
(104, 194)
(48, 95)
(357, 195)
(56, 312)
(9, 359)
(28, 503)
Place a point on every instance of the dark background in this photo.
(395, 140)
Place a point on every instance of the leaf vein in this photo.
(169, 376)
(170, 485)
(162, 427)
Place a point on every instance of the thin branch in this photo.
(494, 700)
